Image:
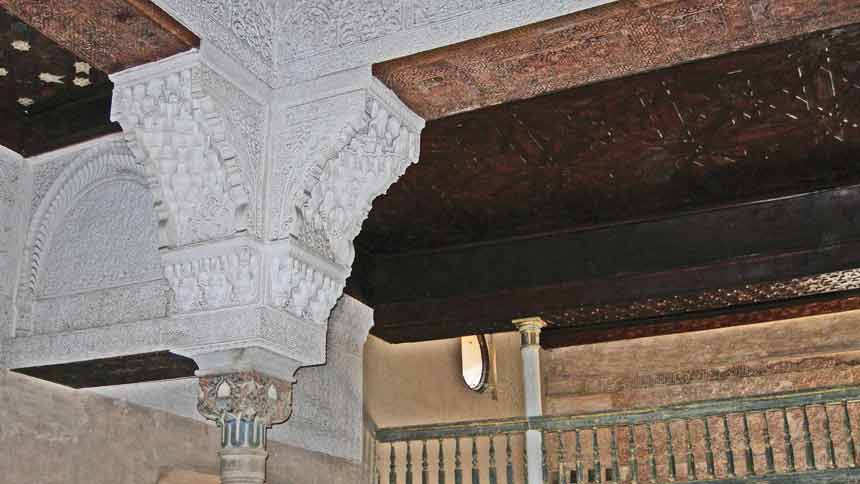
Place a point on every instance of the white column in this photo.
(530, 329)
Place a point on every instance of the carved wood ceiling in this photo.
(679, 199)
(618, 39)
(762, 123)
(54, 89)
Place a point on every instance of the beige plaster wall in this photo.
(55, 435)
(812, 352)
(421, 383)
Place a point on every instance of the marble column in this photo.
(530, 329)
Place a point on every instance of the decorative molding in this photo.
(179, 131)
(301, 288)
(285, 43)
(230, 278)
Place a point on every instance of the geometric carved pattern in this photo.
(611, 41)
(178, 131)
(710, 299)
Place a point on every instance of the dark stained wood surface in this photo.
(766, 122)
(628, 279)
(615, 40)
(39, 115)
(120, 370)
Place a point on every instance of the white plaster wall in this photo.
(328, 403)
(12, 186)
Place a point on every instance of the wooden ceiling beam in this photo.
(639, 275)
(615, 40)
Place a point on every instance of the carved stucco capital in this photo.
(200, 154)
(244, 405)
(245, 395)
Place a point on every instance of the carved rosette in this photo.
(180, 133)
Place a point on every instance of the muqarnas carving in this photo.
(179, 131)
(302, 289)
(215, 282)
(368, 159)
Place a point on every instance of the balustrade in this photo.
(760, 439)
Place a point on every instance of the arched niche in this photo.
(92, 248)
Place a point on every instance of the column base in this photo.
(243, 466)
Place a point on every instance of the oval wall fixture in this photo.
(475, 356)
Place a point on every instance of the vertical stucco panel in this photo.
(421, 383)
(814, 352)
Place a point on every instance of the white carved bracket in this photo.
(180, 133)
(336, 173)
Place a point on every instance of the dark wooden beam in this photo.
(653, 274)
(616, 40)
(120, 370)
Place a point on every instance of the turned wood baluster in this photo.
(476, 471)
(634, 463)
(595, 445)
(492, 471)
(768, 446)
(509, 460)
(408, 462)
(613, 447)
(828, 440)
(748, 453)
(392, 464)
(652, 460)
(670, 451)
(425, 466)
(709, 451)
(809, 451)
(849, 435)
(579, 463)
(691, 459)
(458, 463)
(789, 447)
(729, 452)
(544, 457)
(441, 466)
(562, 479)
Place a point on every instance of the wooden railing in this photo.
(792, 437)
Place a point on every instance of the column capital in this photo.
(530, 329)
